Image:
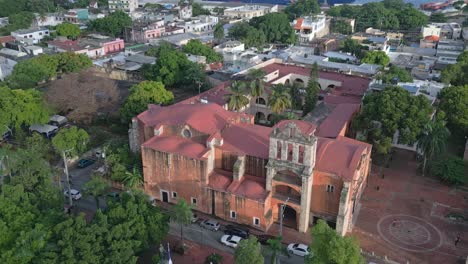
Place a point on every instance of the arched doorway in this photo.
(289, 216)
(287, 82)
(260, 117)
(299, 82)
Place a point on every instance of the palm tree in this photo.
(279, 99)
(133, 178)
(236, 99)
(276, 248)
(433, 141)
(181, 213)
(257, 84)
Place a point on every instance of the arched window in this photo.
(260, 101)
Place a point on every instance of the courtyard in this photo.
(403, 215)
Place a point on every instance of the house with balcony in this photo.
(310, 27)
(127, 6)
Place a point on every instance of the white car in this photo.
(298, 249)
(230, 241)
(75, 194)
(210, 225)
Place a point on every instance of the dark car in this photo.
(264, 238)
(83, 163)
(236, 231)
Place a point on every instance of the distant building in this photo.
(6, 67)
(443, 30)
(127, 6)
(143, 31)
(36, 34)
(201, 24)
(229, 49)
(448, 51)
(310, 27)
(185, 11)
(93, 4)
(429, 42)
(94, 46)
(249, 11)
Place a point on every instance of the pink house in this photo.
(113, 46)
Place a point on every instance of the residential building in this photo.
(233, 169)
(6, 67)
(76, 15)
(74, 46)
(231, 50)
(127, 6)
(310, 27)
(93, 4)
(448, 51)
(374, 42)
(249, 11)
(443, 30)
(185, 11)
(109, 45)
(48, 19)
(430, 30)
(36, 34)
(142, 31)
(429, 42)
(201, 24)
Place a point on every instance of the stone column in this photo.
(295, 157)
(342, 220)
(284, 150)
(269, 177)
(306, 194)
(239, 168)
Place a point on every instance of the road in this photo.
(193, 232)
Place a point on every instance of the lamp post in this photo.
(283, 207)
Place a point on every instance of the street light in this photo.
(283, 207)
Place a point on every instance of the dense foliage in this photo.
(218, 32)
(113, 24)
(454, 102)
(329, 247)
(457, 74)
(376, 57)
(340, 26)
(387, 14)
(312, 90)
(451, 169)
(249, 251)
(438, 18)
(17, 21)
(68, 30)
(195, 47)
(395, 73)
(10, 7)
(302, 8)
(27, 73)
(352, 46)
(248, 35)
(392, 109)
(21, 108)
(198, 10)
(142, 94)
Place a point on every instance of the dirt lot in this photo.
(403, 215)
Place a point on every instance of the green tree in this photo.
(376, 57)
(71, 62)
(456, 74)
(276, 249)
(198, 10)
(433, 140)
(248, 251)
(133, 179)
(113, 24)
(195, 74)
(352, 46)
(219, 31)
(68, 30)
(279, 99)
(96, 187)
(329, 247)
(386, 112)
(248, 34)
(236, 98)
(181, 213)
(296, 96)
(438, 18)
(395, 72)
(450, 169)
(142, 94)
(454, 101)
(195, 47)
(340, 26)
(20, 108)
(276, 28)
(302, 8)
(27, 73)
(312, 91)
(257, 84)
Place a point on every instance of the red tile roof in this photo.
(306, 128)
(220, 180)
(342, 99)
(246, 139)
(214, 95)
(250, 187)
(431, 38)
(340, 156)
(337, 120)
(179, 145)
(68, 45)
(6, 39)
(298, 24)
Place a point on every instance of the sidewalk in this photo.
(290, 235)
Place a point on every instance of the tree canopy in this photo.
(195, 47)
(142, 94)
(198, 10)
(454, 102)
(73, 140)
(312, 91)
(21, 108)
(376, 57)
(219, 31)
(352, 46)
(457, 74)
(451, 169)
(248, 251)
(340, 26)
(329, 247)
(392, 109)
(113, 24)
(248, 35)
(395, 73)
(68, 30)
(302, 8)
(387, 14)
(276, 28)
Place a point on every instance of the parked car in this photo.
(236, 231)
(58, 120)
(298, 249)
(263, 239)
(48, 131)
(83, 163)
(230, 241)
(75, 194)
(210, 225)
(194, 218)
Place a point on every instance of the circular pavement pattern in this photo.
(409, 233)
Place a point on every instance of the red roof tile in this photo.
(250, 187)
(340, 156)
(306, 128)
(432, 38)
(179, 145)
(214, 95)
(68, 45)
(298, 24)
(342, 99)
(337, 120)
(220, 180)
(246, 139)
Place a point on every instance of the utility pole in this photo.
(283, 207)
(70, 200)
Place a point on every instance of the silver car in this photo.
(210, 225)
